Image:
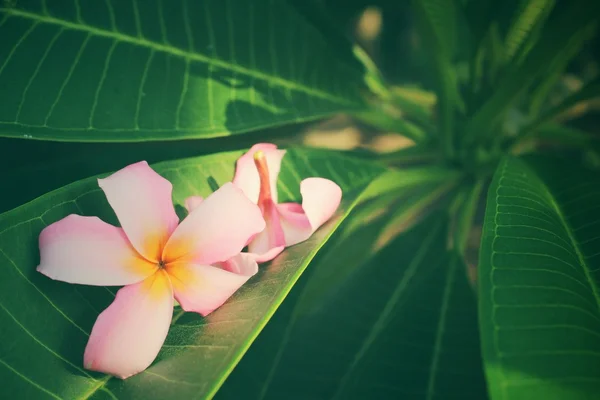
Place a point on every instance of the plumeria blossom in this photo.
(287, 223)
(157, 258)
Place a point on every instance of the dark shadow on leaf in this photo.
(181, 211)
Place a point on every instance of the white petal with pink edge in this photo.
(246, 175)
(86, 250)
(216, 230)
(204, 288)
(264, 243)
(142, 200)
(192, 202)
(320, 199)
(128, 335)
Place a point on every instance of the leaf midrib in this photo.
(142, 42)
(581, 258)
(439, 334)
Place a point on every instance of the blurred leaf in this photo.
(407, 178)
(526, 17)
(538, 281)
(479, 15)
(465, 214)
(423, 153)
(378, 117)
(440, 17)
(555, 72)
(417, 104)
(590, 91)
(559, 35)
(557, 135)
(437, 19)
(402, 326)
(42, 343)
(126, 71)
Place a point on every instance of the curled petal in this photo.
(320, 199)
(246, 175)
(241, 264)
(204, 288)
(268, 255)
(192, 202)
(86, 250)
(128, 335)
(141, 198)
(271, 241)
(216, 230)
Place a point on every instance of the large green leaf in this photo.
(538, 280)
(44, 324)
(130, 70)
(31, 168)
(402, 326)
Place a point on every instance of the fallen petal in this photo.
(267, 244)
(86, 250)
(128, 335)
(246, 175)
(204, 288)
(141, 198)
(192, 202)
(320, 199)
(216, 230)
(269, 255)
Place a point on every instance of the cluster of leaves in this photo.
(388, 307)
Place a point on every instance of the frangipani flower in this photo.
(156, 257)
(287, 223)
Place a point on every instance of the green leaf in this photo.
(45, 323)
(526, 17)
(402, 326)
(560, 33)
(378, 222)
(465, 215)
(591, 90)
(437, 20)
(409, 178)
(414, 154)
(555, 72)
(538, 281)
(379, 117)
(415, 103)
(32, 168)
(131, 71)
(557, 135)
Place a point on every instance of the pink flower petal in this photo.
(320, 199)
(142, 201)
(128, 335)
(269, 255)
(241, 264)
(246, 175)
(265, 244)
(216, 230)
(204, 288)
(192, 202)
(88, 251)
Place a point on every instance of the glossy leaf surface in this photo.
(44, 324)
(402, 325)
(131, 70)
(538, 281)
